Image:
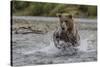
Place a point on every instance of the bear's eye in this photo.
(66, 21)
(57, 36)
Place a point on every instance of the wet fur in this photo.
(69, 37)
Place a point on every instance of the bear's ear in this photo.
(58, 14)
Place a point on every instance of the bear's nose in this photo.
(63, 28)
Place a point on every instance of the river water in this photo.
(37, 49)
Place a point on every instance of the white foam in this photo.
(83, 45)
(51, 49)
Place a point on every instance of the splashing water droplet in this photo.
(83, 45)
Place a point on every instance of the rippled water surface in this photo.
(34, 49)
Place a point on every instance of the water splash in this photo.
(83, 45)
(52, 50)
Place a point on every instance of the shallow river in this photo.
(34, 49)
